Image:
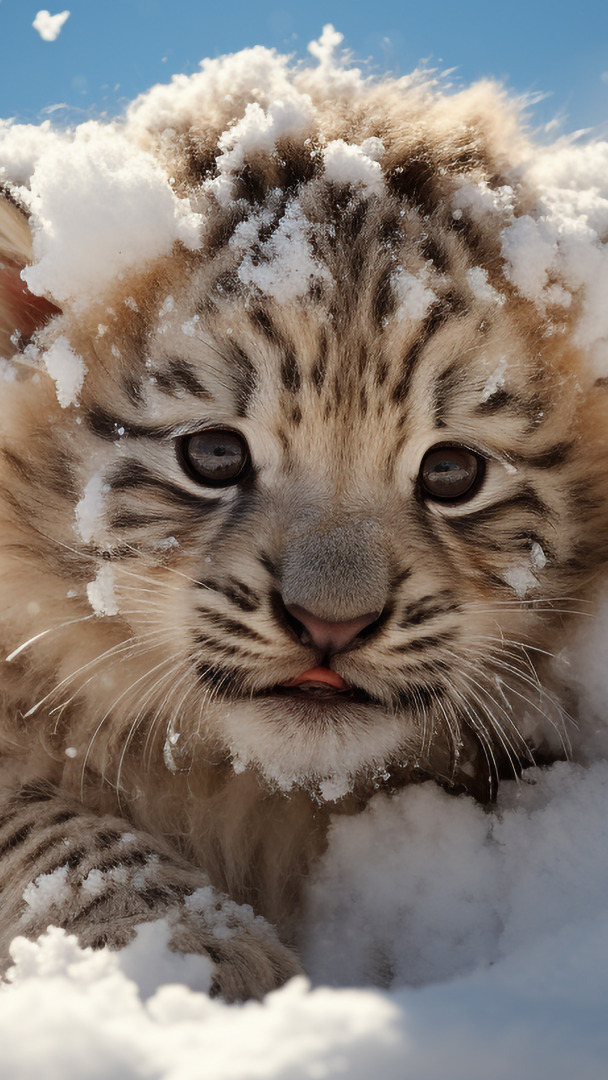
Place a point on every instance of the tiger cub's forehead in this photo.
(300, 383)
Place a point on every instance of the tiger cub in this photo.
(288, 515)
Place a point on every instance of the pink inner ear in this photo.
(29, 312)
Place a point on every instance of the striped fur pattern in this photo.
(149, 750)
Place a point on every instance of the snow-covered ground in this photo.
(489, 928)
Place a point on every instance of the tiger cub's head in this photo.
(320, 490)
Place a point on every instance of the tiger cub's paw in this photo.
(249, 958)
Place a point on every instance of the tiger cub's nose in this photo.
(331, 636)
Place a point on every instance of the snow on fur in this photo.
(102, 202)
(489, 926)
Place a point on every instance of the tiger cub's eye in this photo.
(216, 457)
(450, 472)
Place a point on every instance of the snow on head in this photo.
(337, 74)
(100, 206)
(346, 164)
(413, 294)
(49, 26)
(285, 265)
(104, 201)
(258, 131)
(90, 509)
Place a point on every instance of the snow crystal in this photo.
(479, 200)
(167, 306)
(537, 556)
(189, 328)
(94, 883)
(222, 914)
(521, 579)
(257, 131)
(101, 592)
(333, 73)
(21, 145)
(8, 372)
(67, 369)
(168, 751)
(167, 544)
(530, 251)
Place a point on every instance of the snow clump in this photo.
(67, 369)
(101, 592)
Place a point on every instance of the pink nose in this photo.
(331, 636)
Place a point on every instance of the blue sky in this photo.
(110, 50)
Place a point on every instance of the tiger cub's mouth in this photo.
(321, 684)
(319, 677)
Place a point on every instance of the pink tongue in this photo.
(319, 675)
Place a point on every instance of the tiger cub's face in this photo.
(329, 482)
(332, 539)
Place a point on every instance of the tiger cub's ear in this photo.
(21, 313)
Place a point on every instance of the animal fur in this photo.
(148, 760)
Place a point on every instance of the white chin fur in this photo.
(321, 746)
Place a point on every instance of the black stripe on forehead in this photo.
(428, 328)
(552, 458)
(245, 377)
(444, 387)
(263, 323)
(290, 372)
(383, 296)
(178, 376)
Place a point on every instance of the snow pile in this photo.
(414, 296)
(49, 26)
(258, 130)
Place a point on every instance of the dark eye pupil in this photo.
(215, 457)
(450, 472)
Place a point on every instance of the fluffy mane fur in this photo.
(147, 616)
